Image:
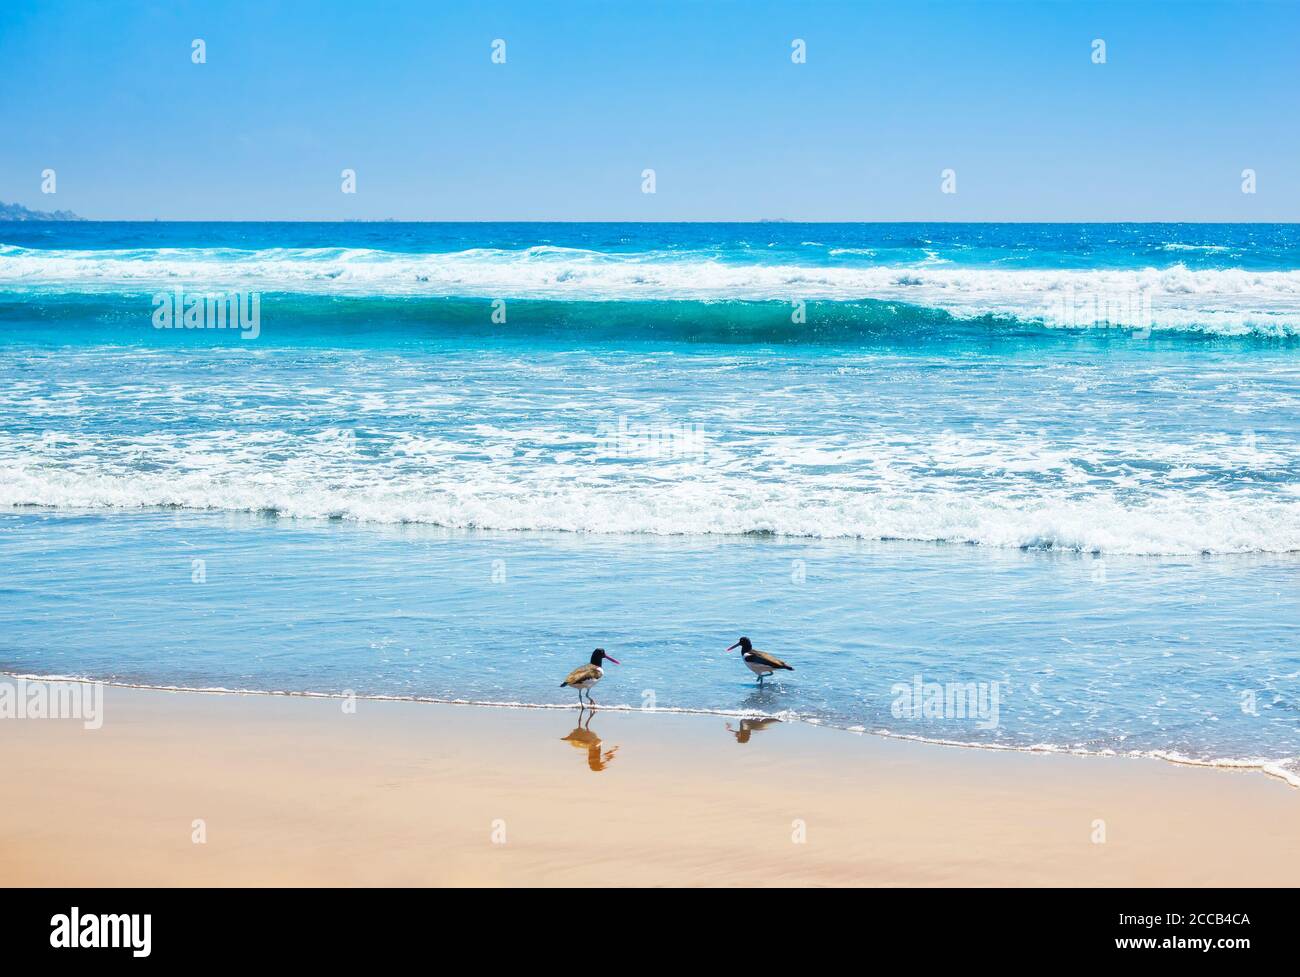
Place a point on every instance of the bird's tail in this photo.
(563, 684)
(788, 668)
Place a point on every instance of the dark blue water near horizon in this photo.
(1090, 245)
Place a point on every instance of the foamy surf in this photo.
(1177, 525)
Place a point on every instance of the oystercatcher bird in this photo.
(588, 675)
(760, 662)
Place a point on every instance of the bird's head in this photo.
(599, 656)
(744, 644)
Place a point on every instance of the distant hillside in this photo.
(17, 212)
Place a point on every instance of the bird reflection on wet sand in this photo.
(749, 726)
(582, 738)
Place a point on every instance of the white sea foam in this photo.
(512, 442)
(1100, 523)
(1226, 301)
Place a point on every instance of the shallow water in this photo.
(1121, 654)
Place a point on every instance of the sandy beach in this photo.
(181, 788)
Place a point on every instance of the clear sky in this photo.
(705, 93)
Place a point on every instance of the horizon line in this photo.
(609, 220)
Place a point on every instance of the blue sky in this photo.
(591, 94)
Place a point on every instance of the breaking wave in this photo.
(1220, 301)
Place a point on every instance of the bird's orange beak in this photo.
(614, 660)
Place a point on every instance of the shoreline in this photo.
(293, 790)
(1269, 768)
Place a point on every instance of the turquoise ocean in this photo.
(446, 461)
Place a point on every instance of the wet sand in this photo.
(296, 791)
